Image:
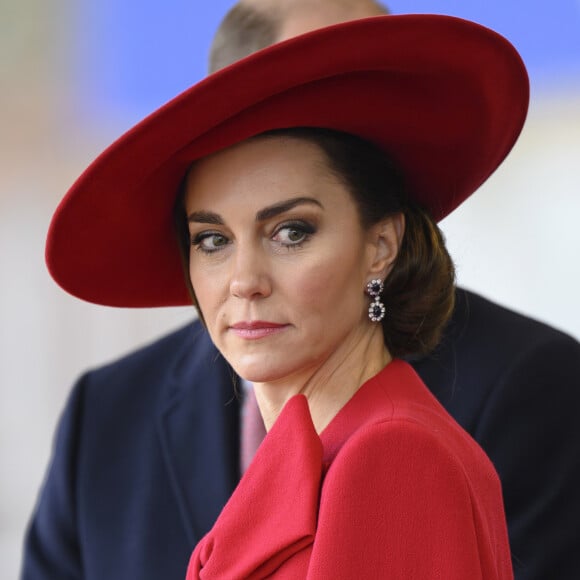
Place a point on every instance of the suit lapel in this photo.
(198, 429)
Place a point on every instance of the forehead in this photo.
(263, 165)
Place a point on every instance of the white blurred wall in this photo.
(516, 241)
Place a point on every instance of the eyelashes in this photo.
(209, 242)
(290, 235)
(293, 234)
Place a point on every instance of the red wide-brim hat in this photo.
(446, 98)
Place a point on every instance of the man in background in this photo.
(148, 448)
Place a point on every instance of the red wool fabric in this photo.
(393, 487)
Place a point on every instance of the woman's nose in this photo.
(250, 278)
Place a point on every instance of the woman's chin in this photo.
(261, 369)
(261, 375)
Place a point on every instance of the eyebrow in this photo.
(284, 206)
(205, 217)
(208, 217)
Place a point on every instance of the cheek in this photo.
(208, 290)
(331, 287)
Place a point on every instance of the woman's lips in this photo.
(255, 329)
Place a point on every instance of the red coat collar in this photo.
(272, 515)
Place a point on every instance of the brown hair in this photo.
(247, 28)
(419, 291)
(242, 31)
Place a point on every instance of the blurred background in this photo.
(75, 75)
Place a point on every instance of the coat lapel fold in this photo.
(270, 519)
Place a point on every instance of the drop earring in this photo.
(377, 309)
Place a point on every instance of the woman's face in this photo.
(279, 260)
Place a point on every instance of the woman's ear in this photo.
(385, 238)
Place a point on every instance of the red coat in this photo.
(393, 488)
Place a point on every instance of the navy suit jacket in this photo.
(146, 452)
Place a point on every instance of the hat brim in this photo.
(446, 98)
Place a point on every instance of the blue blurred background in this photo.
(76, 74)
(131, 56)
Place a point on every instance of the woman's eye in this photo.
(209, 242)
(293, 234)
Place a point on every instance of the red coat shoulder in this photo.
(412, 497)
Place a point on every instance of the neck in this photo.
(327, 384)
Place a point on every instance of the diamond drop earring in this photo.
(377, 309)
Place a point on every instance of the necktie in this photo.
(252, 427)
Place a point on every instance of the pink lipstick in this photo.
(256, 329)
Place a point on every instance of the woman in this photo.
(315, 261)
